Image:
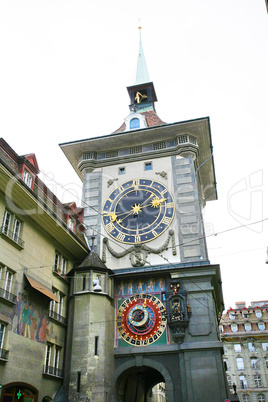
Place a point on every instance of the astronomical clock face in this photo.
(141, 319)
(138, 211)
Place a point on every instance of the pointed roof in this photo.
(142, 75)
(92, 261)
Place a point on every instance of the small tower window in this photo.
(148, 166)
(134, 123)
(121, 170)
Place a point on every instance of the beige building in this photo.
(40, 239)
(244, 333)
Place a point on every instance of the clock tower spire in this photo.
(142, 93)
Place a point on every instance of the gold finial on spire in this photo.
(139, 23)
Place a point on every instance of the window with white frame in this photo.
(261, 398)
(57, 310)
(234, 327)
(251, 347)
(48, 357)
(56, 359)
(258, 313)
(245, 314)
(16, 230)
(8, 283)
(27, 178)
(52, 359)
(2, 335)
(11, 227)
(237, 347)
(246, 398)
(52, 305)
(247, 326)
(221, 328)
(257, 380)
(240, 363)
(232, 315)
(243, 381)
(254, 362)
(261, 326)
(63, 266)
(60, 264)
(6, 222)
(265, 346)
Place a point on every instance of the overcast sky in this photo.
(64, 70)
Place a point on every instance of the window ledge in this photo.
(59, 275)
(8, 297)
(19, 244)
(53, 372)
(4, 355)
(57, 317)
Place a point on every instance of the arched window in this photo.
(261, 398)
(246, 398)
(134, 123)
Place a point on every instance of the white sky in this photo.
(64, 68)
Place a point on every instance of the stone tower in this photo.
(144, 188)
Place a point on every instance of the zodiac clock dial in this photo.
(138, 211)
(141, 319)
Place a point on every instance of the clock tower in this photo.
(144, 188)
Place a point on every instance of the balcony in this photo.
(57, 317)
(8, 296)
(53, 371)
(4, 354)
(11, 237)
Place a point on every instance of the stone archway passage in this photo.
(135, 378)
(135, 383)
(19, 392)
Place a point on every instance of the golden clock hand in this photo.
(156, 202)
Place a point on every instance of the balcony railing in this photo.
(53, 371)
(57, 316)
(4, 354)
(8, 296)
(12, 236)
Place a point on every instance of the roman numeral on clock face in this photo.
(109, 227)
(120, 236)
(166, 220)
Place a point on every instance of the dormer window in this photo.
(71, 223)
(134, 123)
(27, 178)
(232, 315)
(258, 313)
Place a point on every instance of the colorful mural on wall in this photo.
(31, 320)
(140, 286)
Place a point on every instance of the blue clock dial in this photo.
(138, 211)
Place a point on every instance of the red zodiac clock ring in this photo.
(141, 319)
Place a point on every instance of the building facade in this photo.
(40, 239)
(244, 333)
(154, 318)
